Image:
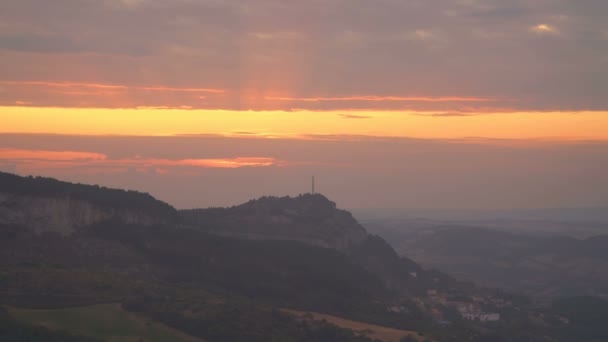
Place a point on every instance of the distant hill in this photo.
(541, 266)
(579, 215)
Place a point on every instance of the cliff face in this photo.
(41, 204)
(63, 214)
(312, 219)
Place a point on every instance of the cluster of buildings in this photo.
(474, 313)
(436, 303)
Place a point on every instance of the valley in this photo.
(239, 273)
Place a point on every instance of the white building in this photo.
(472, 313)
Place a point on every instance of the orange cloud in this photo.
(374, 98)
(163, 107)
(64, 84)
(84, 93)
(231, 163)
(90, 162)
(222, 163)
(184, 90)
(110, 86)
(16, 154)
(544, 29)
(102, 95)
(355, 116)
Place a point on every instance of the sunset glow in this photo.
(163, 122)
(425, 104)
(373, 98)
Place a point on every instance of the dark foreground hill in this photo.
(226, 274)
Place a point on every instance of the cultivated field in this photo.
(107, 322)
(370, 330)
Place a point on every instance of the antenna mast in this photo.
(313, 185)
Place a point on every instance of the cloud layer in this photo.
(327, 54)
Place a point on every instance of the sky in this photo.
(390, 103)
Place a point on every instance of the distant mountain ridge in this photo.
(538, 265)
(578, 215)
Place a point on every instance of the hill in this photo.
(308, 218)
(226, 274)
(316, 221)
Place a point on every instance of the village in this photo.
(445, 308)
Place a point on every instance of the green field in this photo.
(107, 322)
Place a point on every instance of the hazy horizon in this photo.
(193, 172)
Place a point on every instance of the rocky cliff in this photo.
(43, 204)
(63, 214)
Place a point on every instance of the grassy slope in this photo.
(107, 322)
(370, 330)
